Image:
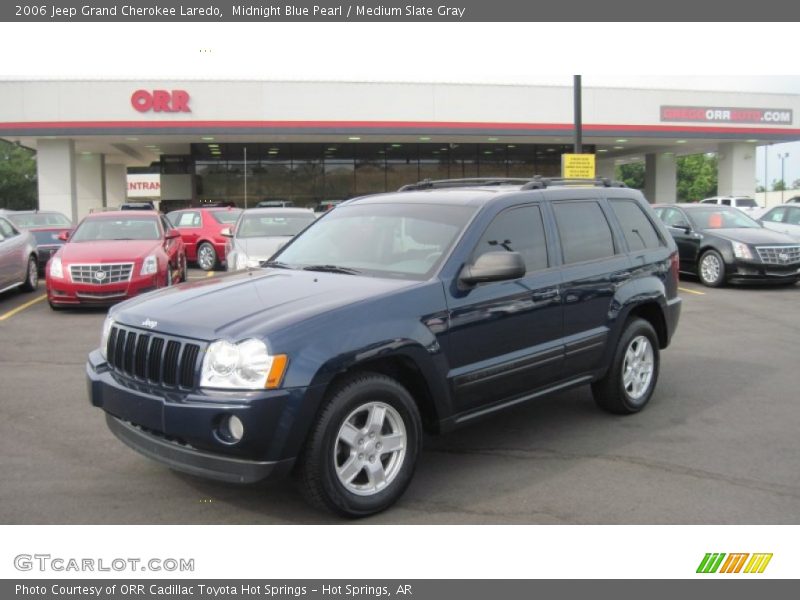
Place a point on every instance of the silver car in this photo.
(18, 258)
(784, 218)
(260, 232)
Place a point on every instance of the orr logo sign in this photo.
(160, 101)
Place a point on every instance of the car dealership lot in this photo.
(717, 444)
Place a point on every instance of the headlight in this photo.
(741, 250)
(56, 268)
(149, 266)
(246, 365)
(107, 324)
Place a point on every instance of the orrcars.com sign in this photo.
(160, 101)
(713, 114)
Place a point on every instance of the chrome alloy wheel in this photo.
(710, 267)
(33, 273)
(206, 257)
(638, 367)
(370, 448)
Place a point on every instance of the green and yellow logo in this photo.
(734, 563)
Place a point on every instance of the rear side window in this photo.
(185, 219)
(746, 203)
(517, 230)
(584, 230)
(775, 216)
(639, 231)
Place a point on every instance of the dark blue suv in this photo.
(419, 310)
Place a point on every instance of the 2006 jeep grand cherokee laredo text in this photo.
(422, 309)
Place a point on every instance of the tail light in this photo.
(674, 265)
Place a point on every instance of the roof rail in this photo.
(537, 182)
(427, 184)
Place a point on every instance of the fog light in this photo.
(232, 429)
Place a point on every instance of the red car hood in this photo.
(107, 251)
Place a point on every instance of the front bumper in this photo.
(62, 292)
(747, 271)
(181, 429)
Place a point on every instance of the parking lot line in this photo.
(22, 307)
(687, 290)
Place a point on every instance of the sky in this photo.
(496, 53)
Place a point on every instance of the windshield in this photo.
(272, 225)
(40, 220)
(226, 217)
(394, 240)
(123, 228)
(720, 217)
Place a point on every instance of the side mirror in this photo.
(172, 234)
(226, 232)
(683, 226)
(493, 266)
(65, 235)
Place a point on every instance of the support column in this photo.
(91, 182)
(605, 167)
(660, 177)
(56, 181)
(116, 185)
(736, 169)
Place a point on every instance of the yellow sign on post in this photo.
(577, 166)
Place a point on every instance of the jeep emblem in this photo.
(149, 324)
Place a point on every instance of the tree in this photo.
(778, 185)
(697, 177)
(17, 177)
(796, 184)
(631, 174)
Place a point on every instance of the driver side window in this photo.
(517, 230)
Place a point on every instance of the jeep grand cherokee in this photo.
(423, 309)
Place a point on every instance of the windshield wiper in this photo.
(332, 269)
(275, 264)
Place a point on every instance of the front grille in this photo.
(101, 274)
(779, 255)
(154, 358)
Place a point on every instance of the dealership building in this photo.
(181, 142)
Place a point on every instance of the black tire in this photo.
(207, 257)
(714, 276)
(169, 281)
(55, 307)
(31, 275)
(184, 275)
(613, 392)
(325, 451)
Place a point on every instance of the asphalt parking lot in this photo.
(718, 443)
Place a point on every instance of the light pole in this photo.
(783, 158)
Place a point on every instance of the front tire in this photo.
(361, 453)
(711, 269)
(32, 276)
(206, 257)
(629, 383)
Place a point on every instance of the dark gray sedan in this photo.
(18, 258)
(261, 232)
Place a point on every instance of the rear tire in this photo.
(361, 452)
(206, 256)
(629, 383)
(32, 275)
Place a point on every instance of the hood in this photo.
(261, 247)
(752, 236)
(250, 303)
(107, 251)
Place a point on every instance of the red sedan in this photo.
(113, 256)
(200, 229)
